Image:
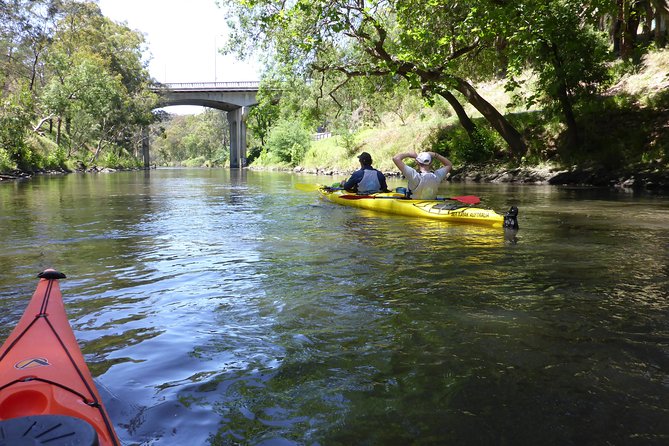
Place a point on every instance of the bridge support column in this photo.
(145, 147)
(237, 121)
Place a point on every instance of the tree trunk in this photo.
(465, 120)
(628, 22)
(39, 125)
(98, 149)
(501, 44)
(616, 33)
(494, 117)
(564, 97)
(58, 132)
(660, 28)
(570, 119)
(33, 73)
(631, 34)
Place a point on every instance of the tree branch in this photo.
(41, 123)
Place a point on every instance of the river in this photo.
(229, 307)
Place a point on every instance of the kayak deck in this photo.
(42, 369)
(395, 203)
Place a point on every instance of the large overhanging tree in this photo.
(427, 42)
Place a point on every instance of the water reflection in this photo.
(227, 307)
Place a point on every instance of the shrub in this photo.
(198, 161)
(55, 159)
(456, 143)
(15, 115)
(289, 141)
(110, 159)
(6, 163)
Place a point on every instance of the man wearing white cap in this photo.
(423, 184)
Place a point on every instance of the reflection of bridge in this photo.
(235, 98)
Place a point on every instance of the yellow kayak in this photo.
(454, 209)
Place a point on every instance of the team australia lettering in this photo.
(31, 363)
(470, 213)
(464, 212)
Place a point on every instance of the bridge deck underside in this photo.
(218, 105)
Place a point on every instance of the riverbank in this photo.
(24, 175)
(624, 139)
(647, 177)
(651, 177)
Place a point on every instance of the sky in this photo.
(182, 38)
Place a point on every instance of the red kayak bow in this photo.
(46, 389)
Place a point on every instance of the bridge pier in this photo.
(237, 121)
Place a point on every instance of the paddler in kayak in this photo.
(366, 180)
(423, 183)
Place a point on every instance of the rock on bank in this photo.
(649, 177)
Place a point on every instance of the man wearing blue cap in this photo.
(423, 183)
(366, 180)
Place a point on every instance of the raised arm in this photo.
(443, 160)
(399, 158)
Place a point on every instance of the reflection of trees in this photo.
(350, 309)
(102, 346)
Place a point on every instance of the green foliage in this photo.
(561, 44)
(288, 141)
(75, 68)
(46, 155)
(347, 140)
(15, 116)
(55, 159)
(252, 153)
(192, 137)
(619, 134)
(6, 163)
(460, 147)
(264, 115)
(199, 161)
(113, 160)
(89, 96)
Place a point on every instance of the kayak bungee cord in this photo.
(40, 360)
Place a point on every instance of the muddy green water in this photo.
(224, 307)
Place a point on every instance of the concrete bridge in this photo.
(235, 98)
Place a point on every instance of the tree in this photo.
(628, 15)
(64, 61)
(15, 115)
(98, 82)
(264, 115)
(195, 137)
(419, 41)
(289, 141)
(559, 42)
(91, 97)
(26, 30)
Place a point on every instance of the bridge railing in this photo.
(243, 85)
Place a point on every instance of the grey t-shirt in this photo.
(423, 186)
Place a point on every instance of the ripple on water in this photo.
(214, 310)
